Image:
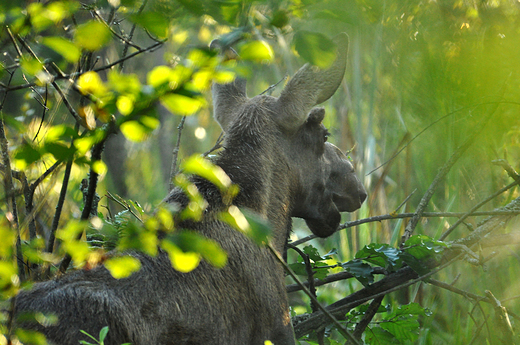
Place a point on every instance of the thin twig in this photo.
(61, 200)
(409, 215)
(333, 320)
(175, 153)
(131, 34)
(77, 74)
(472, 212)
(410, 227)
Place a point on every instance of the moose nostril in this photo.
(362, 196)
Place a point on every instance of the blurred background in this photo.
(421, 76)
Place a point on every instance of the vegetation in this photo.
(100, 100)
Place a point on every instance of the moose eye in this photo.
(326, 136)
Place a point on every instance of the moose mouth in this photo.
(348, 203)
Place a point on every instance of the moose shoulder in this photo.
(276, 151)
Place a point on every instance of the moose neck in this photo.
(256, 164)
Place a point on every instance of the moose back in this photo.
(276, 151)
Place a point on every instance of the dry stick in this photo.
(9, 187)
(380, 218)
(410, 227)
(91, 192)
(69, 106)
(61, 201)
(330, 279)
(472, 212)
(367, 318)
(312, 289)
(332, 319)
(131, 34)
(175, 152)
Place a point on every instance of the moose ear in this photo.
(311, 86)
(227, 97)
(316, 115)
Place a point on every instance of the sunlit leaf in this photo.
(181, 261)
(122, 266)
(126, 84)
(91, 83)
(181, 105)
(314, 47)
(64, 47)
(125, 105)
(99, 167)
(158, 76)
(211, 251)
(92, 35)
(197, 165)
(258, 51)
(85, 143)
(8, 237)
(139, 130)
(195, 208)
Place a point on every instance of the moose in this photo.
(276, 151)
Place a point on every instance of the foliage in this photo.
(423, 77)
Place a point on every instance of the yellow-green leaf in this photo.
(181, 261)
(92, 35)
(122, 266)
(139, 130)
(180, 104)
(258, 51)
(91, 83)
(158, 76)
(199, 166)
(30, 66)
(64, 47)
(125, 105)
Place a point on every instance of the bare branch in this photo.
(175, 153)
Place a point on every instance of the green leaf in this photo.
(92, 35)
(378, 336)
(30, 66)
(423, 247)
(103, 334)
(59, 151)
(154, 22)
(360, 270)
(313, 253)
(258, 51)
(25, 156)
(260, 227)
(382, 255)
(30, 337)
(122, 267)
(314, 47)
(280, 19)
(137, 237)
(64, 47)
